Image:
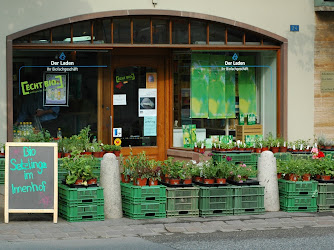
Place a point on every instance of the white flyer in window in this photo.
(147, 102)
(119, 99)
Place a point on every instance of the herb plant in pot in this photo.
(155, 172)
(116, 149)
(223, 171)
(209, 172)
(175, 172)
(186, 176)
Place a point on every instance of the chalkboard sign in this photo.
(31, 178)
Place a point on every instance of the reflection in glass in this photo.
(160, 30)
(122, 30)
(82, 32)
(216, 33)
(234, 36)
(41, 37)
(180, 33)
(23, 39)
(102, 31)
(198, 32)
(61, 34)
(141, 31)
(253, 39)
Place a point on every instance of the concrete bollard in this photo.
(267, 176)
(110, 181)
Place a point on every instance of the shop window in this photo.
(198, 32)
(41, 37)
(252, 39)
(102, 31)
(160, 31)
(180, 34)
(82, 32)
(234, 36)
(141, 31)
(213, 95)
(23, 39)
(122, 30)
(61, 34)
(217, 33)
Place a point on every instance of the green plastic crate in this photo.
(182, 204)
(242, 211)
(298, 202)
(2, 177)
(325, 188)
(283, 156)
(216, 203)
(222, 191)
(248, 190)
(2, 162)
(248, 202)
(325, 208)
(82, 218)
(303, 156)
(184, 213)
(299, 209)
(89, 194)
(331, 153)
(236, 157)
(182, 192)
(138, 194)
(144, 210)
(217, 212)
(325, 199)
(79, 210)
(296, 188)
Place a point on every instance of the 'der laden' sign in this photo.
(31, 178)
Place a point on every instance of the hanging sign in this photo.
(31, 178)
(55, 93)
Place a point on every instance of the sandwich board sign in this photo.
(31, 178)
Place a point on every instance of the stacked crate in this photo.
(146, 202)
(216, 201)
(2, 170)
(283, 156)
(81, 204)
(297, 196)
(325, 200)
(248, 200)
(182, 202)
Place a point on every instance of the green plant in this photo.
(196, 170)
(241, 172)
(42, 136)
(115, 148)
(107, 147)
(96, 147)
(155, 169)
(223, 169)
(209, 169)
(176, 169)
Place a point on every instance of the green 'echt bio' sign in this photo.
(28, 88)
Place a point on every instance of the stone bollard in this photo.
(267, 176)
(110, 181)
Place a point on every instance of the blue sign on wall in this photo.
(294, 27)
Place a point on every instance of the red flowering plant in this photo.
(242, 172)
(316, 154)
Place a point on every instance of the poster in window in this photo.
(56, 88)
(147, 102)
(151, 80)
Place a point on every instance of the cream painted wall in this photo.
(274, 16)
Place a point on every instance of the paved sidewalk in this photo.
(23, 227)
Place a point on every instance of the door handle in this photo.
(111, 130)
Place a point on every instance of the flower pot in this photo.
(325, 177)
(60, 155)
(198, 179)
(257, 150)
(279, 175)
(125, 178)
(67, 154)
(92, 181)
(328, 147)
(97, 154)
(318, 176)
(283, 149)
(286, 176)
(264, 149)
(293, 177)
(187, 181)
(117, 153)
(141, 181)
(174, 181)
(209, 181)
(221, 180)
(196, 149)
(152, 182)
(79, 182)
(306, 177)
(274, 149)
(202, 150)
(86, 153)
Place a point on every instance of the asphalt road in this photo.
(304, 238)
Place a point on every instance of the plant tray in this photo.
(325, 199)
(183, 213)
(79, 210)
(217, 212)
(248, 182)
(138, 194)
(325, 188)
(82, 218)
(241, 211)
(297, 188)
(248, 202)
(216, 203)
(175, 186)
(89, 194)
(225, 191)
(210, 185)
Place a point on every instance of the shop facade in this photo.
(140, 74)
